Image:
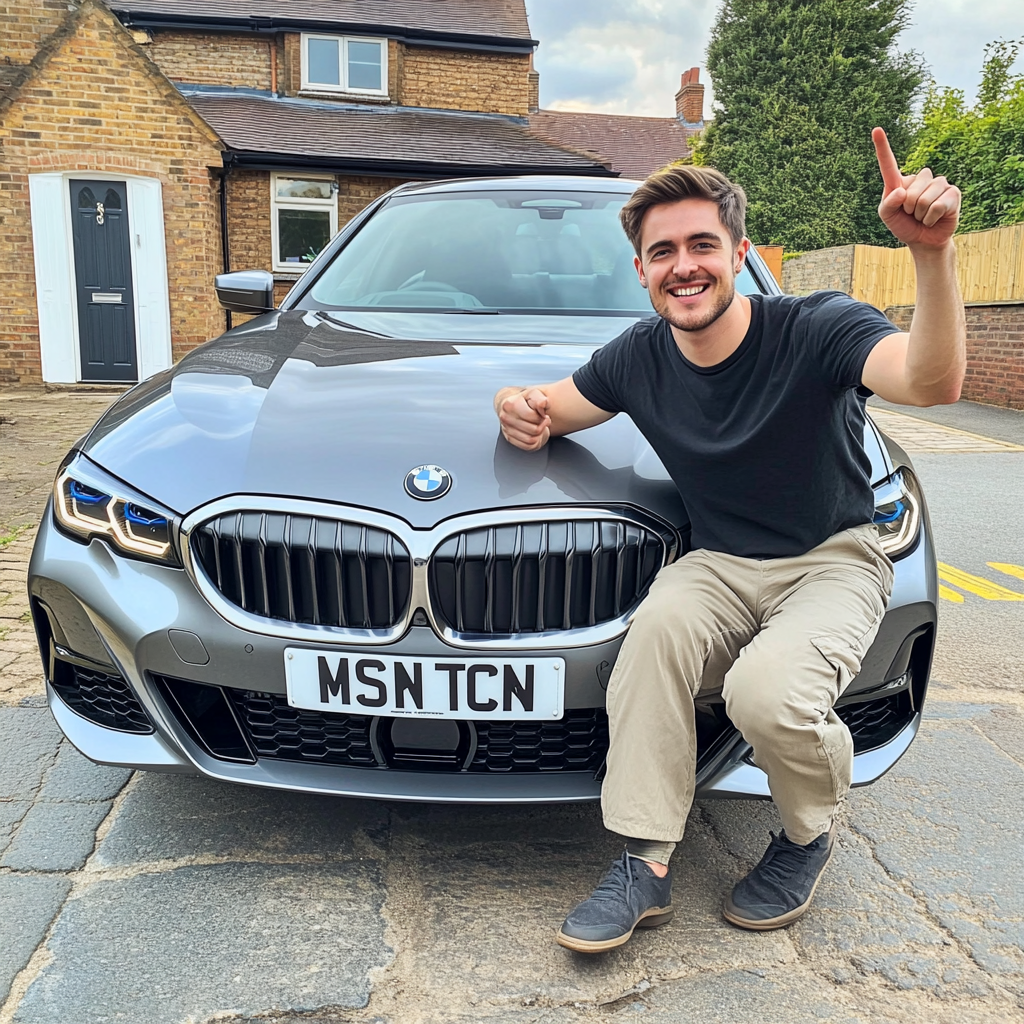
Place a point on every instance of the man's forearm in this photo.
(937, 350)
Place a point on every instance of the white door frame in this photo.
(56, 296)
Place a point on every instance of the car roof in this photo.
(525, 182)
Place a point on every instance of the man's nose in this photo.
(685, 265)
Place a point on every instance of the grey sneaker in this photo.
(630, 896)
(780, 888)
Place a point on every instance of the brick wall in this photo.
(995, 351)
(24, 24)
(821, 269)
(97, 104)
(214, 58)
(493, 83)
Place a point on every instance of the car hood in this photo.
(299, 405)
(296, 405)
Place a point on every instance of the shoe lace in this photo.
(781, 860)
(617, 883)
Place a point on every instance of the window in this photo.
(304, 216)
(344, 64)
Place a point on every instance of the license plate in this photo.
(511, 689)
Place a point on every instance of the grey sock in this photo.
(650, 849)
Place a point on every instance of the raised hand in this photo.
(919, 209)
(524, 418)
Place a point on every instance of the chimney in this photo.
(690, 98)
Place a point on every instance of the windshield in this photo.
(508, 252)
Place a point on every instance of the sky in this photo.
(626, 56)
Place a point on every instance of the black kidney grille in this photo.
(577, 743)
(100, 697)
(306, 569)
(534, 577)
(277, 730)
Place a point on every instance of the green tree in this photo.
(799, 84)
(980, 149)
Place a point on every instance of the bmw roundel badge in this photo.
(427, 482)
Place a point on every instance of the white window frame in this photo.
(343, 42)
(278, 203)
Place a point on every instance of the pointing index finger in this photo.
(891, 176)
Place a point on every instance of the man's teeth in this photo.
(695, 289)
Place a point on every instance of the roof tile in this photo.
(634, 146)
(499, 19)
(357, 136)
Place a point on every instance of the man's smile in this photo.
(685, 291)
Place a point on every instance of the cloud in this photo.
(618, 56)
(626, 56)
(952, 35)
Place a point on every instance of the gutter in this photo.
(225, 249)
(258, 161)
(272, 26)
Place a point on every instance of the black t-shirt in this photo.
(767, 446)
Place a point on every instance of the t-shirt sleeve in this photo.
(604, 379)
(841, 332)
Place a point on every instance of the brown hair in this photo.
(683, 181)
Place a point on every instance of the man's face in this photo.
(688, 263)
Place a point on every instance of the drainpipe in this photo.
(224, 248)
(273, 66)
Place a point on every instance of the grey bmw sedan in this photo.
(304, 557)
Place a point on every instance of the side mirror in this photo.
(246, 291)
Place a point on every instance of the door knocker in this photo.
(99, 213)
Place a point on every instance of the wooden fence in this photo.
(990, 266)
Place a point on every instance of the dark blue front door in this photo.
(103, 272)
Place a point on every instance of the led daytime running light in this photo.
(899, 517)
(87, 511)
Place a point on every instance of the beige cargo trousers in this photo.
(781, 639)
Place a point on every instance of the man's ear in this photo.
(640, 270)
(741, 254)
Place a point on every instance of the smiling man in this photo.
(756, 407)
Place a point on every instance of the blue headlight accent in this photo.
(87, 496)
(890, 517)
(142, 516)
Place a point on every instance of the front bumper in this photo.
(115, 614)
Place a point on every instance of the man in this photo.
(756, 407)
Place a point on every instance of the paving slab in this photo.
(952, 831)
(11, 813)
(29, 739)
(74, 777)
(186, 944)
(475, 896)
(28, 903)
(172, 817)
(55, 837)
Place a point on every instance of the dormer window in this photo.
(351, 64)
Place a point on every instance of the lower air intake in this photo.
(100, 697)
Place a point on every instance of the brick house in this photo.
(146, 145)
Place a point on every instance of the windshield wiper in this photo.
(469, 312)
(324, 315)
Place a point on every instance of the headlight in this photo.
(898, 510)
(89, 503)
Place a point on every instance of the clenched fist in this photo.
(919, 209)
(524, 418)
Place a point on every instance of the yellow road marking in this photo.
(950, 595)
(977, 584)
(1010, 570)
